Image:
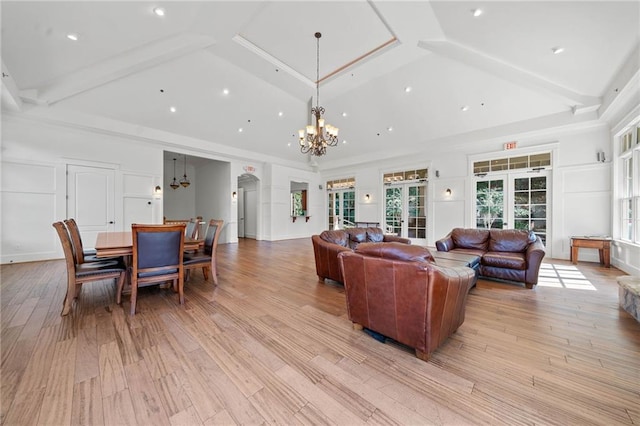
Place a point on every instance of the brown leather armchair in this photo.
(396, 290)
(329, 244)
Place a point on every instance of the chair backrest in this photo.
(157, 248)
(212, 235)
(67, 247)
(193, 226)
(76, 240)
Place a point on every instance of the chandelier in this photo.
(321, 135)
(184, 181)
(174, 183)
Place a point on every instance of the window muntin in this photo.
(512, 163)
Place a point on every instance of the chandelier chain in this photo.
(318, 137)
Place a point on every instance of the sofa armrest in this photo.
(396, 239)
(446, 243)
(534, 255)
(326, 256)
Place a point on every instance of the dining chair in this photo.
(79, 273)
(158, 252)
(80, 253)
(193, 226)
(206, 257)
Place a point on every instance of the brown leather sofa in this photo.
(506, 254)
(329, 244)
(396, 290)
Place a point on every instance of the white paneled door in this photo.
(90, 200)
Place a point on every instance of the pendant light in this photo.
(184, 181)
(174, 183)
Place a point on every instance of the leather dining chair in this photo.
(158, 252)
(206, 257)
(192, 228)
(79, 273)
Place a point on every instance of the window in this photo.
(629, 189)
(535, 161)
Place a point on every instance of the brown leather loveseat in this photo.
(506, 254)
(398, 291)
(329, 244)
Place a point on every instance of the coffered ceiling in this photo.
(395, 76)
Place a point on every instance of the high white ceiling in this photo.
(131, 66)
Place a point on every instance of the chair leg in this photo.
(68, 298)
(134, 297)
(205, 273)
(120, 288)
(181, 289)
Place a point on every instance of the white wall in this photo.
(33, 188)
(179, 203)
(213, 197)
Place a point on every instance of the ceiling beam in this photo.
(10, 92)
(130, 62)
(577, 103)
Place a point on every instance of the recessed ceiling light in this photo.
(407, 89)
(72, 36)
(225, 91)
(557, 50)
(172, 109)
(289, 144)
(240, 130)
(464, 108)
(476, 12)
(344, 141)
(390, 129)
(280, 114)
(344, 114)
(158, 11)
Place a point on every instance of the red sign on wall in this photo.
(511, 145)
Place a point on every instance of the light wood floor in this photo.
(270, 344)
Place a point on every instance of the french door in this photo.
(514, 201)
(406, 211)
(342, 209)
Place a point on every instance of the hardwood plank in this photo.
(112, 374)
(146, 401)
(57, 403)
(87, 403)
(118, 409)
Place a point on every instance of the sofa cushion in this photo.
(396, 251)
(511, 240)
(356, 236)
(336, 237)
(375, 235)
(469, 238)
(507, 260)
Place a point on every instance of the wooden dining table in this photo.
(111, 244)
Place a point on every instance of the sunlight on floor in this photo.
(563, 276)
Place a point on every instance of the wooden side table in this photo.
(603, 244)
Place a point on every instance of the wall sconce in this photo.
(157, 191)
(448, 192)
(234, 195)
(367, 197)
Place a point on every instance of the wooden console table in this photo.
(603, 244)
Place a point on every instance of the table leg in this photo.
(606, 254)
(574, 255)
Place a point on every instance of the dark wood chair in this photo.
(206, 257)
(158, 252)
(79, 273)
